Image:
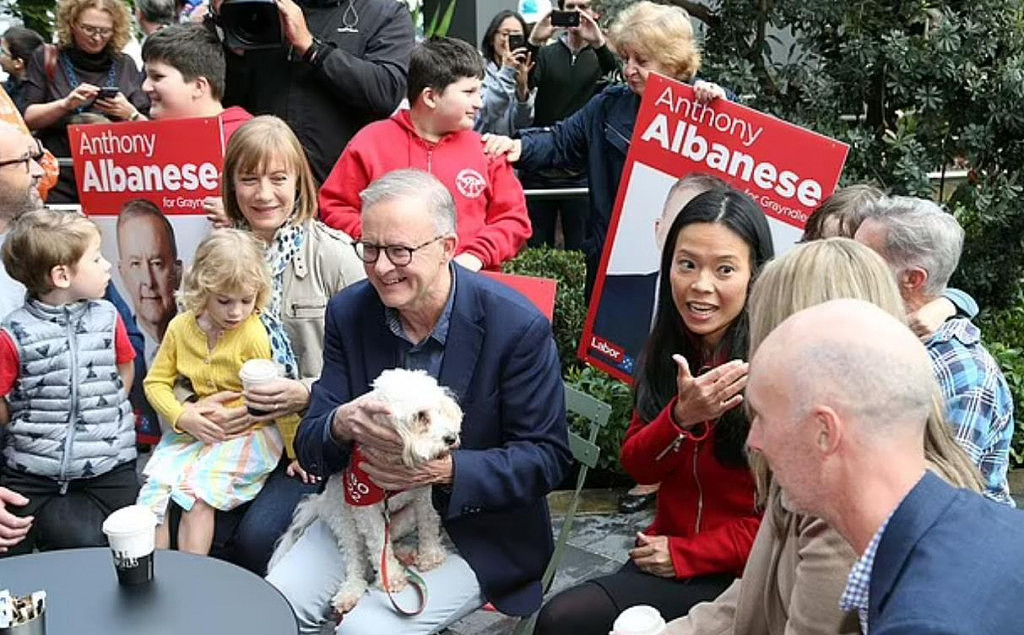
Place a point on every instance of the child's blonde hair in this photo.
(228, 261)
(43, 239)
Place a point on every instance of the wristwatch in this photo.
(317, 52)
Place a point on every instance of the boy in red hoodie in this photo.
(436, 135)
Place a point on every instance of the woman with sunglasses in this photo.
(269, 190)
(86, 75)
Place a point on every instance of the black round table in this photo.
(189, 595)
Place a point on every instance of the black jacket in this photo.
(361, 80)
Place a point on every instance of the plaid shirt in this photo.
(858, 584)
(979, 405)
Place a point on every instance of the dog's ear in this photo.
(450, 409)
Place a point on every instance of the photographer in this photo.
(567, 74)
(507, 98)
(342, 65)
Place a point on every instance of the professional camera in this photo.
(251, 24)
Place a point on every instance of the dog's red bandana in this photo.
(359, 489)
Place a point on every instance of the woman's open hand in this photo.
(706, 397)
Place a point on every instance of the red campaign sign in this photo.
(786, 169)
(175, 164)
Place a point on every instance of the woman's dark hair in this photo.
(656, 370)
(22, 42)
(487, 44)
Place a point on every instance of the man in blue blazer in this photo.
(489, 345)
(843, 432)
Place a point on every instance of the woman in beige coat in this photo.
(269, 190)
(798, 566)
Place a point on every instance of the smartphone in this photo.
(108, 92)
(565, 18)
(516, 41)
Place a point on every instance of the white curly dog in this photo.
(428, 420)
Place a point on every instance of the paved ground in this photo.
(598, 544)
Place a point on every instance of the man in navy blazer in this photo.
(843, 431)
(489, 345)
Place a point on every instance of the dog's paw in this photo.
(405, 554)
(430, 559)
(396, 582)
(344, 601)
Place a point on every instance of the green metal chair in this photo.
(586, 452)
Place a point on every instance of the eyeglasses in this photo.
(399, 255)
(577, 6)
(93, 31)
(29, 156)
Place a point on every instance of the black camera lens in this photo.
(251, 24)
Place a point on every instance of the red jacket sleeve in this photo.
(722, 549)
(340, 206)
(507, 223)
(122, 344)
(644, 442)
(9, 363)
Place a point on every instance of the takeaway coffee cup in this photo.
(131, 532)
(255, 372)
(639, 620)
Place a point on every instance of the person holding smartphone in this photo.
(507, 97)
(85, 74)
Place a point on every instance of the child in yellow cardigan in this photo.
(196, 464)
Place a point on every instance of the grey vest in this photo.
(70, 416)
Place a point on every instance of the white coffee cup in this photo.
(639, 620)
(255, 372)
(131, 534)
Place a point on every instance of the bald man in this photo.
(839, 396)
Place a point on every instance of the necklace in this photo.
(349, 19)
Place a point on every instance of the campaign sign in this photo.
(144, 184)
(175, 164)
(786, 169)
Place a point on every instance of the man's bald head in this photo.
(855, 358)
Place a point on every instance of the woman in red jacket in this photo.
(688, 432)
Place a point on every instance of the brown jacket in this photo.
(790, 586)
(325, 265)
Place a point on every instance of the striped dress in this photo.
(226, 474)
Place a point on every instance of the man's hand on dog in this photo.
(358, 421)
(387, 471)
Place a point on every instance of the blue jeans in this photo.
(265, 519)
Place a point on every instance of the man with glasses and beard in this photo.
(20, 174)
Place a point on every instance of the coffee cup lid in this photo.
(129, 520)
(639, 620)
(259, 368)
